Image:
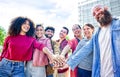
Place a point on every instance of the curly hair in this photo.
(16, 24)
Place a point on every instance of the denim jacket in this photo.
(93, 45)
(86, 63)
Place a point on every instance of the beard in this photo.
(48, 36)
(106, 19)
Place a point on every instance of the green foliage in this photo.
(0, 49)
(2, 35)
(67, 37)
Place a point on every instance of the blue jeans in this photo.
(34, 71)
(84, 73)
(50, 75)
(11, 69)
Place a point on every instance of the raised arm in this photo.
(65, 50)
(76, 58)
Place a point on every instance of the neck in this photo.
(61, 39)
(22, 33)
(104, 26)
(88, 38)
(49, 38)
(40, 37)
(79, 37)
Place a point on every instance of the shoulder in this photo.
(65, 41)
(45, 39)
(74, 39)
(116, 22)
(83, 41)
(7, 38)
(29, 39)
(53, 41)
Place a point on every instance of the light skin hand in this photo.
(65, 50)
(64, 66)
(50, 55)
(60, 61)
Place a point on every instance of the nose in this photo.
(97, 13)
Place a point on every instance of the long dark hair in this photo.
(16, 24)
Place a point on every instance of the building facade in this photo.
(85, 8)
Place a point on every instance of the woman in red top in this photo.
(18, 47)
(72, 44)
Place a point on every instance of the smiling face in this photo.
(98, 12)
(76, 30)
(88, 31)
(49, 33)
(25, 27)
(39, 31)
(63, 33)
(102, 15)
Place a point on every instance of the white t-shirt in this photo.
(106, 67)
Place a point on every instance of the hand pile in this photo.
(59, 62)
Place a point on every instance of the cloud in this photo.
(57, 13)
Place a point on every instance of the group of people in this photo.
(31, 52)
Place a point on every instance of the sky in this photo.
(56, 13)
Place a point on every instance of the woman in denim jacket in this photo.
(85, 67)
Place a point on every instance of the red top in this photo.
(73, 44)
(20, 47)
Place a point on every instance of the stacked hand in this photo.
(59, 62)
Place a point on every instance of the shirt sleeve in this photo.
(48, 45)
(73, 43)
(70, 43)
(79, 55)
(38, 45)
(5, 46)
(80, 45)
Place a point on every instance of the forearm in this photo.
(65, 50)
(48, 52)
(53, 58)
(80, 54)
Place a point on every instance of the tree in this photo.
(2, 35)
